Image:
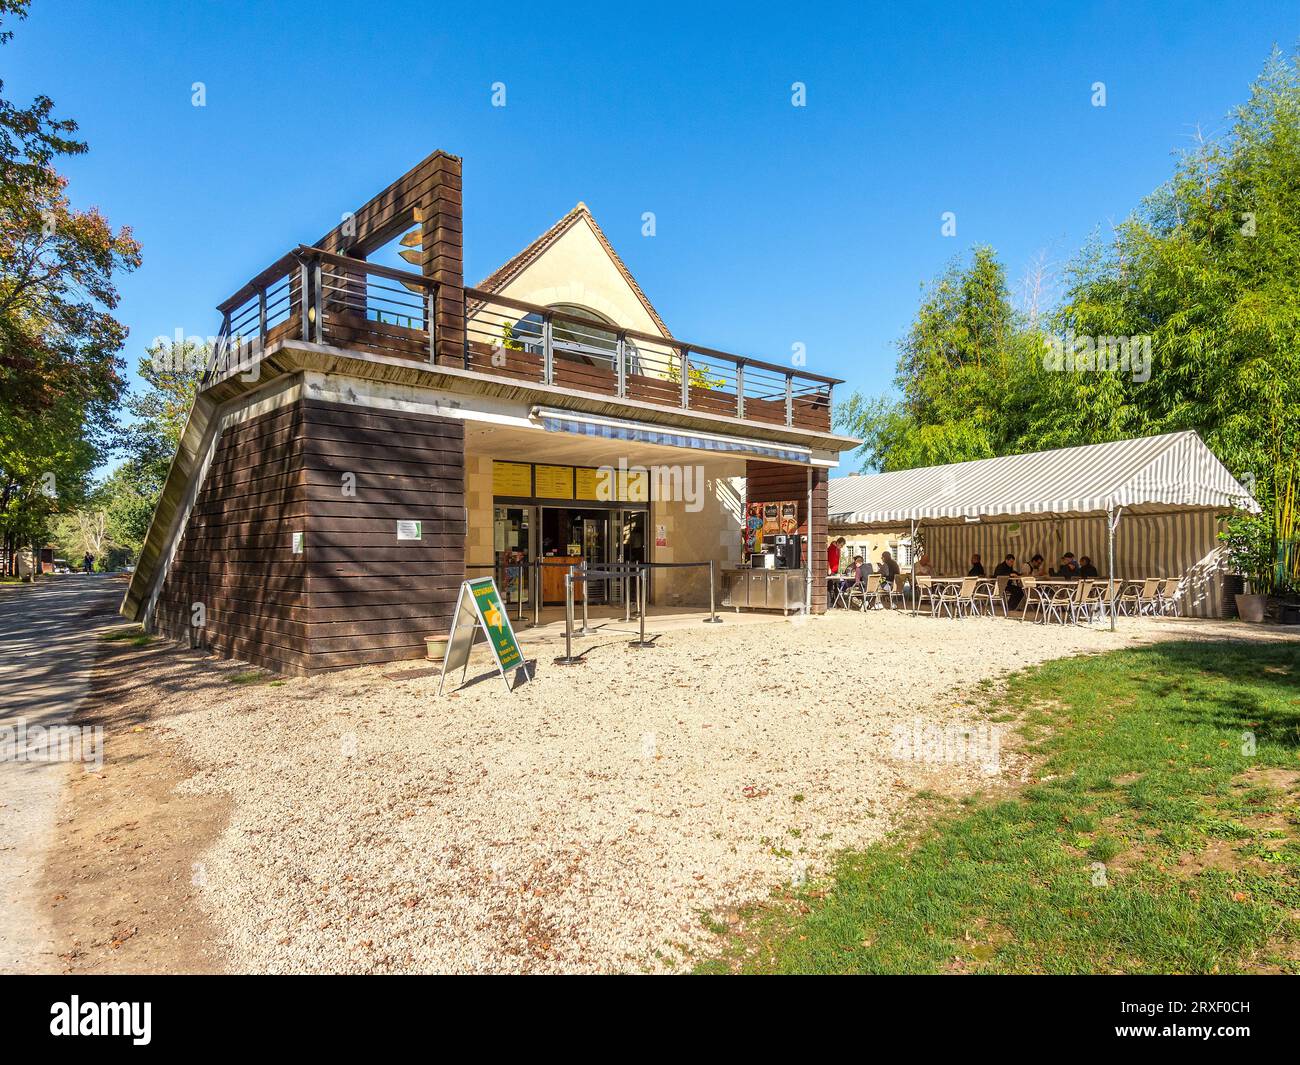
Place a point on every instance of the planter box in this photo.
(1251, 608)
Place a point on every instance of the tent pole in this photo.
(1112, 517)
(911, 550)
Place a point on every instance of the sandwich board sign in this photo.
(479, 608)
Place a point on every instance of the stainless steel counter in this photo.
(763, 589)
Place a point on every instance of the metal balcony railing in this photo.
(317, 296)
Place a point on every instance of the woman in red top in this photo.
(833, 557)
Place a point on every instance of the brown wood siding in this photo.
(372, 597)
(768, 482)
(236, 554)
(356, 594)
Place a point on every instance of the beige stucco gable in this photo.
(576, 268)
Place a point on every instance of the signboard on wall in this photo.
(526, 480)
(479, 609)
(554, 482)
(512, 479)
(410, 530)
(789, 517)
(589, 484)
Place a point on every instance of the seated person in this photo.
(923, 567)
(1068, 569)
(976, 567)
(1037, 567)
(889, 572)
(1087, 570)
(1007, 568)
(861, 570)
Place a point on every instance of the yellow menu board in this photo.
(512, 479)
(590, 484)
(554, 482)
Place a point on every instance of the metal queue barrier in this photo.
(633, 575)
(629, 575)
(626, 572)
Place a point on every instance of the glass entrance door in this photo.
(628, 542)
(595, 536)
(513, 551)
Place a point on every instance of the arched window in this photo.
(593, 339)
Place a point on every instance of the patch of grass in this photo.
(133, 634)
(712, 924)
(1153, 840)
(1104, 848)
(252, 676)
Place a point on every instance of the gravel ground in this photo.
(587, 822)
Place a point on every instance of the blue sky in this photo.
(775, 224)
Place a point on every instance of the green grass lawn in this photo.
(133, 634)
(1161, 834)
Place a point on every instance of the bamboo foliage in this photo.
(1286, 535)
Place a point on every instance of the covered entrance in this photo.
(561, 536)
(541, 496)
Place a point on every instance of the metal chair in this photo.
(1033, 598)
(1063, 601)
(924, 591)
(855, 595)
(996, 591)
(1142, 597)
(958, 600)
(1167, 598)
(893, 591)
(866, 591)
(945, 599)
(1101, 601)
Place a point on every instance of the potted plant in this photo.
(1249, 541)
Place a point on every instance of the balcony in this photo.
(329, 299)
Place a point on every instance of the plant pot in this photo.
(1251, 608)
(435, 648)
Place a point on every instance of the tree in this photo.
(171, 373)
(1209, 268)
(60, 374)
(957, 367)
(1205, 274)
(128, 509)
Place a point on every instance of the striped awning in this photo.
(1155, 474)
(562, 421)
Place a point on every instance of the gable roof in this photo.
(503, 275)
(1145, 475)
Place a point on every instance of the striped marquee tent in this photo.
(1153, 504)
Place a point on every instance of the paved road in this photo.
(48, 635)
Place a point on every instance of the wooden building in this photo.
(368, 436)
